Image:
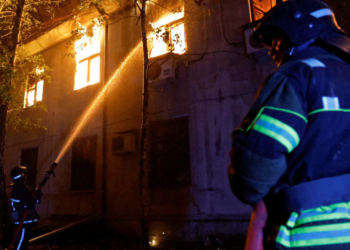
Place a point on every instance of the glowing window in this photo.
(88, 60)
(169, 35)
(33, 94)
(260, 7)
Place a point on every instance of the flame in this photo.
(177, 35)
(39, 91)
(88, 60)
(168, 19)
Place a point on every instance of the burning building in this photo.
(203, 77)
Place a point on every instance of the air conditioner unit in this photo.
(248, 31)
(123, 143)
(161, 68)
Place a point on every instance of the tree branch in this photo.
(7, 16)
(101, 11)
(138, 6)
(18, 110)
(3, 12)
(6, 34)
(43, 2)
(2, 6)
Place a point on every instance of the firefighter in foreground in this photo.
(22, 198)
(292, 150)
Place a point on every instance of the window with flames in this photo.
(88, 60)
(260, 7)
(169, 35)
(34, 92)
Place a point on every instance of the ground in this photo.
(120, 243)
(93, 236)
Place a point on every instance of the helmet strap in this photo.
(295, 49)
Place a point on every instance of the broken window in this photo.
(88, 60)
(169, 35)
(83, 172)
(170, 153)
(260, 7)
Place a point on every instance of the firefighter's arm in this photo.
(271, 130)
(28, 198)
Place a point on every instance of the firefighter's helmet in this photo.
(302, 21)
(18, 173)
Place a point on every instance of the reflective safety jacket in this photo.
(293, 147)
(21, 199)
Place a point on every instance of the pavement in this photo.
(94, 237)
(116, 242)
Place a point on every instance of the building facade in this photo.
(198, 96)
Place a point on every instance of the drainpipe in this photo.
(104, 124)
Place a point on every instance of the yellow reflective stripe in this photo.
(322, 217)
(294, 233)
(283, 126)
(328, 110)
(275, 136)
(314, 242)
(292, 219)
(277, 109)
(280, 131)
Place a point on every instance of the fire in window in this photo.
(88, 60)
(34, 92)
(169, 35)
(261, 7)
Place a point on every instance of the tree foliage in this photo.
(18, 21)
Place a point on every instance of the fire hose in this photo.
(42, 183)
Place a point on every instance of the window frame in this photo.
(251, 9)
(168, 27)
(78, 161)
(35, 89)
(161, 174)
(89, 59)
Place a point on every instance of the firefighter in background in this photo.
(22, 198)
(292, 150)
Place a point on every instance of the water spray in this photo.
(82, 121)
(84, 118)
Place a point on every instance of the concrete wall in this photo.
(215, 89)
(65, 106)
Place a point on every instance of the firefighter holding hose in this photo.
(292, 150)
(22, 199)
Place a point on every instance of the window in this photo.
(169, 35)
(34, 92)
(29, 159)
(83, 175)
(88, 60)
(260, 7)
(169, 153)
